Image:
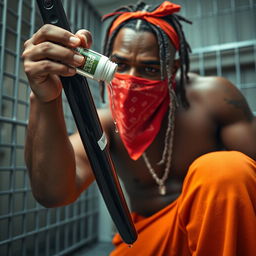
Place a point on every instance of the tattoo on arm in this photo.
(242, 105)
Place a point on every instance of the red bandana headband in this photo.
(165, 9)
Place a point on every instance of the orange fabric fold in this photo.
(214, 215)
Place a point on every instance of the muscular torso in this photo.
(196, 133)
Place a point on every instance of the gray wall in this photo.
(26, 228)
(223, 41)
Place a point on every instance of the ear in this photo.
(175, 66)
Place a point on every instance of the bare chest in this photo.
(195, 134)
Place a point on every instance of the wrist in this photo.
(35, 99)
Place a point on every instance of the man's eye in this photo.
(121, 67)
(152, 70)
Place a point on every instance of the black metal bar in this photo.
(82, 106)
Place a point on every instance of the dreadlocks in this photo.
(165, 46)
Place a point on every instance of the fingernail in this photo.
(78, 58)
(74, 40)
(85, 41)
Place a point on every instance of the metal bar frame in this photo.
(19, 206)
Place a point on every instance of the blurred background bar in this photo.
(223, 40)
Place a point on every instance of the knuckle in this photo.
(67, 56)
(43, 31)
(27, 43)
(66, 34)
(45, 28)
(46, 65)
(45, 47)
(64, 69)
(26, 53)
(27, 68)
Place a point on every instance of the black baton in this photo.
(94, 140)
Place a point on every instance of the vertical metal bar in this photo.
(218, 21)
(47, 242)
(75, 210)
(254, 54)
(65, 4)
(90, 213)
(57, 239)
(24, 216)
(201, 63)
(85, 15)
(215, 8)
(199, 10)
(36, 247)
(9, 223)
(238, 68)
(31, 32)
(17, 60)
(2, 62)
(32, 17)
(15, 103)
(233, 5)
(12, 165)
(89, 17)
(79, 16)
(184, 8)
(218, 62)
(82, 226)
(72, 16)
(66, 228)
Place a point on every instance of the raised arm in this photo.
(58, 167)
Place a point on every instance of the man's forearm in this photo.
(49, 154)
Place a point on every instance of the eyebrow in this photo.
(146, 62)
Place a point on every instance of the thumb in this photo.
(85, 37)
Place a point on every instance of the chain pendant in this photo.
(162, 190)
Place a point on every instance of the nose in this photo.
(132, 71)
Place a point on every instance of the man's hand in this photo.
(50, 54)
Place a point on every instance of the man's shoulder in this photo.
(211, 89)
(220, 97)
(209, 84)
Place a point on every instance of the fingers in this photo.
(85, 37)
(41, 69)
(55, 34)
(54, 52)
(50, 54)
(54, 43)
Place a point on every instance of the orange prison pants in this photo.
(215, 215)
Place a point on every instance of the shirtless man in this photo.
(210, 116)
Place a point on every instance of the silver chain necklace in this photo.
(168, 148)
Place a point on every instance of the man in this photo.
(185, 147)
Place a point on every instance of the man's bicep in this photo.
(84, 174)
(240, 136)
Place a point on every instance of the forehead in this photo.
(129, 41)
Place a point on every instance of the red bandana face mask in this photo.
(138, 106)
